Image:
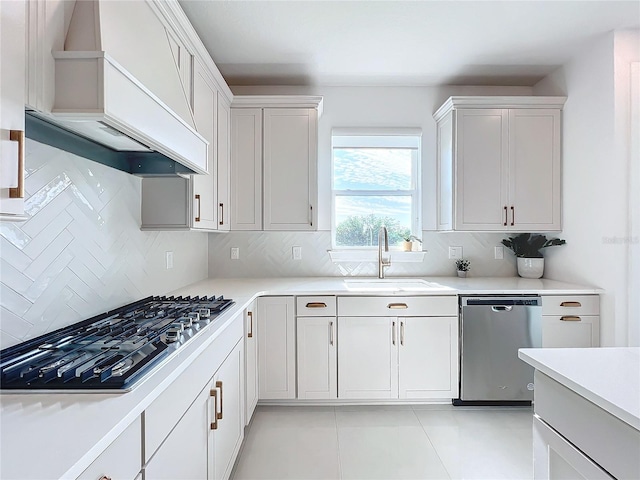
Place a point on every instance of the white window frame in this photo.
(405, 138)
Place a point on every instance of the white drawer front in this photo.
(316, 306)
(437, 306)
(570, 304)
(570, 331)
(122, 459)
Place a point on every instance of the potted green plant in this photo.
(463, 266)
(407, 244)
(526, 247)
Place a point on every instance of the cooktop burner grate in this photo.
(112, 350)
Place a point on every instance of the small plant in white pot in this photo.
(526, 247)
(463, 266)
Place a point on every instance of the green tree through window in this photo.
(362, 230)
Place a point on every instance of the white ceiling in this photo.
(369, 42)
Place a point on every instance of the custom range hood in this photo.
(119, 97)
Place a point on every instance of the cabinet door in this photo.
(246, 169)
(190, 438)
(290, 168)
(224, 163)
(317, 359)
(580, 331)
(229, 432)
(368, 353)
(554, 458)
(534, 169)
(205, 95)
(251, 360)
(12, 98)
(481, 147)
(276, 348)
(428, 357)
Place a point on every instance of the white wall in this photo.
(269, 254)
(82, 251)
(596, 169)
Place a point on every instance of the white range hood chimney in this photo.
(117, 84)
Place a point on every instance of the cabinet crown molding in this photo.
(278, 101)
(455, 102)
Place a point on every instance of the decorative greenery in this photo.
(463, 265)
(528, 245)
(411, 238)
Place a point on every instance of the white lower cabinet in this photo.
(368, 358)
(250, 360)
(390, 357)
(555, 458)
(122, 460)
(276, 348)
(570, 321)
(317, 358)
(227, 430)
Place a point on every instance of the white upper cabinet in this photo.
(499, 163)
(274, 151)
(12, 98)
(223, 170)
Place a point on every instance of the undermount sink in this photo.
(391, 285)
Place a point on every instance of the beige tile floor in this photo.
(387, 442)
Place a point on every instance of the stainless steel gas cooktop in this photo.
(112, 351)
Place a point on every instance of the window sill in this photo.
(397, 256)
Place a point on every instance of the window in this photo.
(375, 183)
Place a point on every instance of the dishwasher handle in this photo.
(502, 308)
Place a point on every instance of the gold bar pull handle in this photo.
(570, 304)
(198, 200)
(250, 315)
(219, 385)
(505, 216)
(393, 333)
(570, 318)
(214, 393)
(513, 216)
(397, 306)
(402, 333)
(311, 215)
(221, 214)
(331, 333)
(18, 136)
(316, 305)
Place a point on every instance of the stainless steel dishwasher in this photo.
(492, 329)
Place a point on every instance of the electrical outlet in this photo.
(168, 257)
(455, 252)
(498, 252)
(235, 253)
(296, 253)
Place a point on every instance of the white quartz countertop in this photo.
(607, 377)
(86, 423)
(251, 287)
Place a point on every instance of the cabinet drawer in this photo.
(570, 331)
(570, 304)
(122, 460)
(324, 306)
(398, 306)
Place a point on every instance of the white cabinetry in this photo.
(317, 347)
(274, 151)
(398, 347)
(276, 348)
(570, 321)
(197, 202)
(122, 460)
(499, 163)
(200, 414)
(12, 99)
(250, 360)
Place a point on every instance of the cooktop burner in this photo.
(110, 351)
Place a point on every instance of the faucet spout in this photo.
(383, 236)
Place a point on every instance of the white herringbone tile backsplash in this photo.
(82, 251)
(268, 254)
